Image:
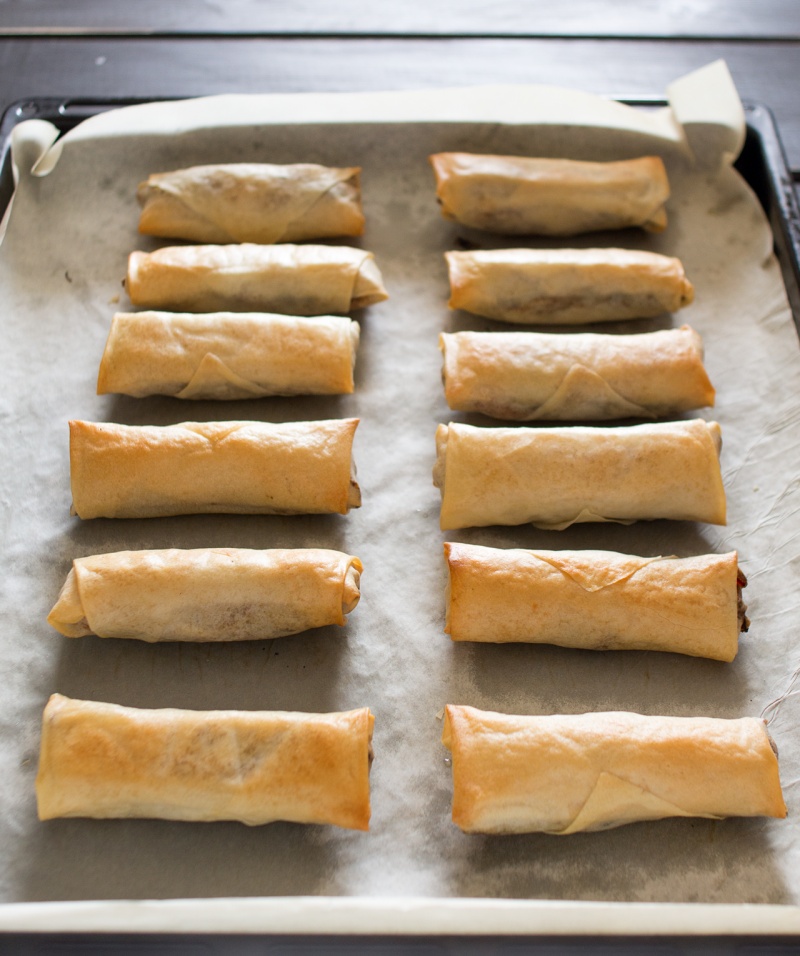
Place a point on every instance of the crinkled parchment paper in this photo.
(72, 225)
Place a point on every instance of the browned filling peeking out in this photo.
(744, 620)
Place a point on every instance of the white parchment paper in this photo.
(72, 225)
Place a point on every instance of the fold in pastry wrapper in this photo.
(556, 477)
(125, 471)
(519, 195)
(228, 355)
(566, 286)
(562, 774)
(298, 280)
(535, 376)
(106, 761)
(206, 594)
(595, 600)
(252, 202)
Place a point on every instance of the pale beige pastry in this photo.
(564, 774)
(207, 594)
(148, 471)
(596, 600)
(520, 195)
(228, 355)
(298, 280)
(536, 376)
(252, 202)
(106, 761)
(566, 286)
(556, 477)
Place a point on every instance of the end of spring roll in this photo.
(125, 471)
(556, 477)
(207, 594)
(520, 195)
(564, 774)
(298, 280)
(252, 202)
(596, 600)
(106, 761)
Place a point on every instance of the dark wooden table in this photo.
(149, 48)
(98, 49)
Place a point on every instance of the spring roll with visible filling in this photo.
(596, 600)
(215, 594)
(564, 774)
(252, 202)
(106, 761)
(298, 280)
(226, 355)
(148, 471)
(557, 477)
(566, 286)
(535, 376)
(519, 195)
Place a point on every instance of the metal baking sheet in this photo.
(60, 268)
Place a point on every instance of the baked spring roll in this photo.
(566, 286)
(596, 600)
(252, 202)
(556, 477)
(519, 195)
(106, 761)
(213, 594)
(227, 355)
(562, 774)
(298, 280)
(125, 471)
(535, 376)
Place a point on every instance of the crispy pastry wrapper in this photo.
(557, 477)
(563, 774)
(566, 286)
(535, 376)
(228, 355)
(519, 195)
(106, 761)
(596, 600)
(252, 202)
(213, 594)
(125, 471)
(298, 280)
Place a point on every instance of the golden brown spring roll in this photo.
(298, 280)
(126, 471)
(252, 202)
(210, 594)
(596, 600)
(566, 286)
(519, 195)
(106, 761)
(556, 477)
(227, 355)
(562, 774)
(535, 376)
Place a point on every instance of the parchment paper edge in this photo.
(402, 917)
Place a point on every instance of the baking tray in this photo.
(763, 165)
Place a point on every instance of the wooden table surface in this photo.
(97, 49)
